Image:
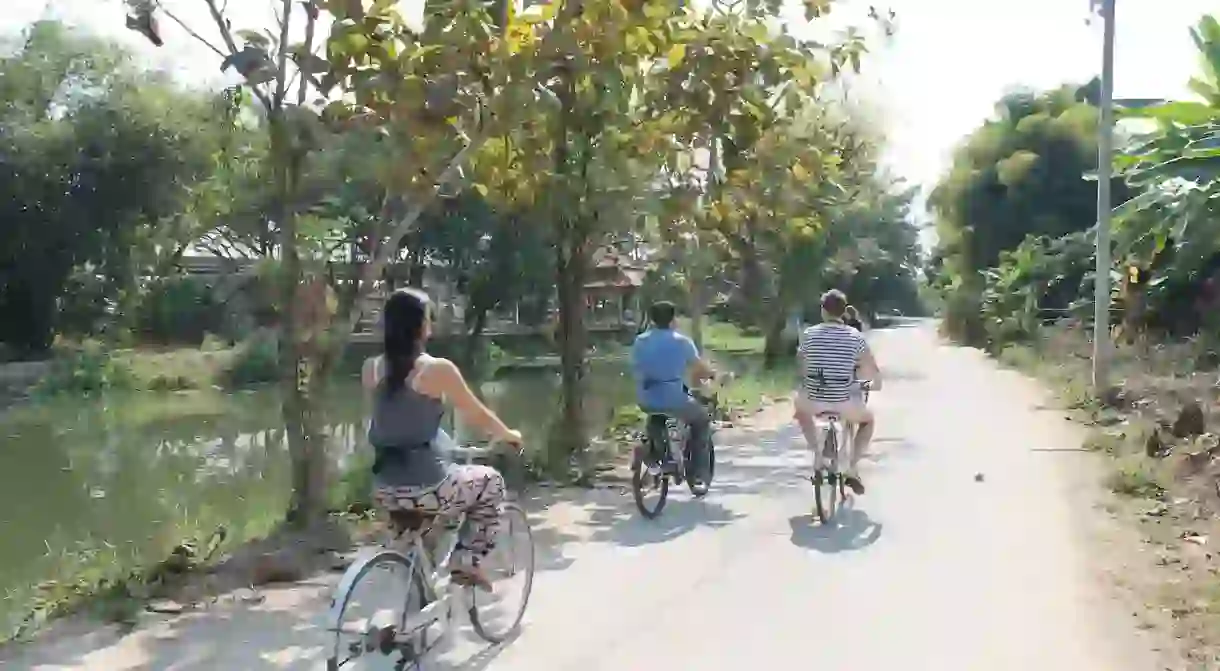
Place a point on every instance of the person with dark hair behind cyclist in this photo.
(851, 317)
(661, 359)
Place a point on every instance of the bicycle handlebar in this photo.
(470, 452)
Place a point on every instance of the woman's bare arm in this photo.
(368, 373)
(869, 370)
(442, 378)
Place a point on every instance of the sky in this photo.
(931, 84)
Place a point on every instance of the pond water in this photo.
(87, 485)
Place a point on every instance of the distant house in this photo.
(612, 293)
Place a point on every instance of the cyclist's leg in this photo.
(478, 492)
(695, 415)
(863, 421)
(804, 411)
(658, 434)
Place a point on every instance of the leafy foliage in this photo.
(1020, 174)
(96, 156)
(1038, 281)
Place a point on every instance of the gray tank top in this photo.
(403, 432)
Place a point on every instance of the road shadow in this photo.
(881, 449)
(624, 525)
(274, 628)
(284, 632)
(478, 661)
(852, 529)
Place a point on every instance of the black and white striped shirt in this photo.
(830, 353)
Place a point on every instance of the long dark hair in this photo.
(403, 318)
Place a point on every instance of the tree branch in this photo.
(311, 25)
(281, 65)
(386, 250)
(227, 35)
(191, 32)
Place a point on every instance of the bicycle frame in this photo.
(832, 425)
(833, 429)
(438, 586)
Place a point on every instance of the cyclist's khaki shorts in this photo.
(853, 410)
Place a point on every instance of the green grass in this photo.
(725, 337)
(751, 389)
(1137, 476)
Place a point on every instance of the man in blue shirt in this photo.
(661, 358)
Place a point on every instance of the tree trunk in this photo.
(696, 306)
(568, 436)
(773, 348)
(571, 269)
(474, 338)
(753, 299)
(301, 376)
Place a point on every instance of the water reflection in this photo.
(127, 476)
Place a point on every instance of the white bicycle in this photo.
(401, 624)
(830, 481)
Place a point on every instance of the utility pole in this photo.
(1105, 151)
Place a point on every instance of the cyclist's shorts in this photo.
(853, 410)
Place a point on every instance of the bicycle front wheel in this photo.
(510, 568)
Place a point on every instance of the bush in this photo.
(256, 360)
(1137, 477)
(83, 369)
(626, 420)
(179, 310)
(353, 491)
(962, 320)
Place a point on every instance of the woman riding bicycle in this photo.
(408, 389)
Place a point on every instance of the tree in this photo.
(100, 160)
(494, 257)
(1020, 174)
(1168, 230)
(758, 197)
(429, 99)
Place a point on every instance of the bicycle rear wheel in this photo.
(650, 489)
(826, 494)
(370, 609)
(510, 568)
(827, 483)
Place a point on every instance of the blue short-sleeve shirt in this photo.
(659, 360)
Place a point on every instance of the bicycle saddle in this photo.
(410, 520)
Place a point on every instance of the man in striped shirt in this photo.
(833, 357)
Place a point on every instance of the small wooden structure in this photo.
(612, 293)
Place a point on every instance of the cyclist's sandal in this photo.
(854, 483)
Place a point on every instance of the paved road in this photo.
(931, 570)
